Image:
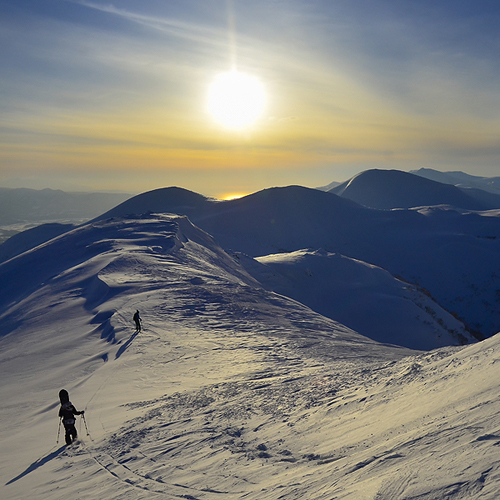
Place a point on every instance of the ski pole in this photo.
(85, 423)
(58, 431)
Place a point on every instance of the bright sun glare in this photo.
(236, 100)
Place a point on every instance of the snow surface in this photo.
(27, 238)
(361, 296)
(230, 391)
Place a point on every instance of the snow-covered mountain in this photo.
(361, 296)
(174, 200)
(329, 186)
(461, 179)
(388, 189)
(451, 255)
(230, 391)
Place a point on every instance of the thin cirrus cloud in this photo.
(190, 31)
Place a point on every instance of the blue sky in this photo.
(112, 95)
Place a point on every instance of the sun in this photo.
(236, 100)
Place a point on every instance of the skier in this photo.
(67, 413)
(137, 320)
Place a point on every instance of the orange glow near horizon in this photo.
(233, 196)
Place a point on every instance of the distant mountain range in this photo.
(383, 189)
(389, 189)
(461, 179)
(458, 179)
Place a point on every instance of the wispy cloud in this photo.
(174, 27)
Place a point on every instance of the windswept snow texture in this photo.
(361, 296)
(230, 391)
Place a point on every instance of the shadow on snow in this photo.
(38, 463)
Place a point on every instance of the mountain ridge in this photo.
(390, 189)
(461, 179)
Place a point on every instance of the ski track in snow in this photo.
(230, 391)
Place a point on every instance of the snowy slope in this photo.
(229, 392)
(29, 238)
(361, 296)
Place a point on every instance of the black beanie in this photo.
(63, 396)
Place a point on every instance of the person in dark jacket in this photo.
(67, 413)
(137, 320)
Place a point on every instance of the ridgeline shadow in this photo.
(38, 463)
